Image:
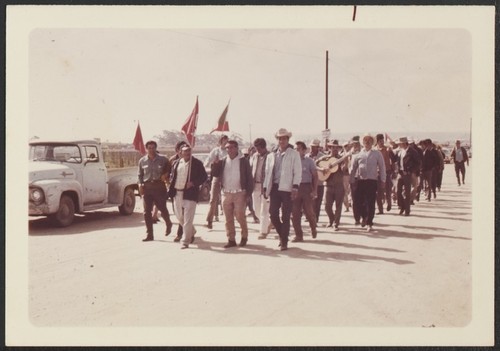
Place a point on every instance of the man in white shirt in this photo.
(236, 179)
(217, 154)
(281, 184)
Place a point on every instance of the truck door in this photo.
(95, 178)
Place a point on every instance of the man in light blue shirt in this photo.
(368, 167)
(306, 195)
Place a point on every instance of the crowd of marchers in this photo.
(283, 185)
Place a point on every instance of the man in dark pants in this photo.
(430, 166)
(409, 164)
(334, 186)
(459, 156)
(281, 183)
(368, 167)
(154, 170)
(384, 191)
(306, 195)
(316, 154)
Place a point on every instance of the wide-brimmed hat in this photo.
(355, 139)
(380, 137)
(283, 133)
(403, 140)
(333, 143)
(186, 147)
(315, 142)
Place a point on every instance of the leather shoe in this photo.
(230, 244)
(297, 240)
(262, 236)
(283, 247)
(243, 242)
(169, 228)
(209, 225)
(401, 211)
(314, 233)
(148, 238)
(184, 246)
(177, 238)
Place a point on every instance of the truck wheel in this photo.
(128, 205)
(66, 213)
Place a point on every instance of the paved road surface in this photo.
(410, 272)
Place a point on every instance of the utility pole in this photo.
(326, 93)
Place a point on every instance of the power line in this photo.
(246, 45)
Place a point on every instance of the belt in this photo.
(153, 181)
(233, 191)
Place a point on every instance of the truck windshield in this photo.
(57, 153)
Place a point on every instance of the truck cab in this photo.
(71, 177)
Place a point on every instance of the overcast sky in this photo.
(100, 82)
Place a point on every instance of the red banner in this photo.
(138, 141)
(189, 127)
(222, 124)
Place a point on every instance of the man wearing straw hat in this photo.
(367, 167)
(187, 177)
(281, 184)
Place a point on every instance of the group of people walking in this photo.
(288, 182)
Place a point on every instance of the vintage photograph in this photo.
(247, 176)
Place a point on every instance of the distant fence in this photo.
(121, 158)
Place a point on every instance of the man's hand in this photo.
(141, 190)
(314, 194)
(295, 193)
(189, 185)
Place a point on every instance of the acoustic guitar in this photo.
(331, 164)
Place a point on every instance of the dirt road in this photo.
(410, 272)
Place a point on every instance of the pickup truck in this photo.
(71, 177)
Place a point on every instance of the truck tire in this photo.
(128, 205)
(66, 212)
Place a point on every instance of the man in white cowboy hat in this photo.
(316, 154)
(408, 164)
(368, 167)
(281, 184)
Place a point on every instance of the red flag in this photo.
(189, 127)
(138, 141)
(222, 124)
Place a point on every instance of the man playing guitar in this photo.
(330, 169)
